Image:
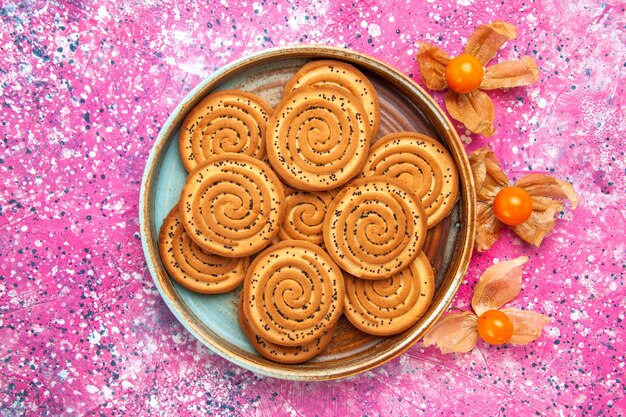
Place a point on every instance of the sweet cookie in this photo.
(423, 164)
(318, 138)
(293, 293)
(343, 75)
(232, 205)
(374, 227)
(193, 268)
(230, 121)
(283, 354)
(304, 215)
(391, 305)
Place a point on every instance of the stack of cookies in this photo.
(300, 206)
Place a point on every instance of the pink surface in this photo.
(86, 87)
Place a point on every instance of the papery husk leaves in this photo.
(541, 185)
(475, 110)
(541, 221)
(487, 40)
(546, 193)
(499, 284)
(487, 227)
(520, 72)
(527, 325)
(489, 179)
(432, 62)
(455, 332)
(479, 168)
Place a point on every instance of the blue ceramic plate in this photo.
(212, 319)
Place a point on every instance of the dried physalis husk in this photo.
(455, 332)
(527, 325)
(474, 108)
(499, 284)
(489, 180)
(432, 62)
(508, 74)
(547, 194)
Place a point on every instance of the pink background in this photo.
(86, 87)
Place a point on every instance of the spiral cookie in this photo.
(193, 268)
(230, 121)
(304, 215)
(346, 76)
(317, 138)
(423, 164)
(391, 305)
(283, 354)
(232, 205)
(375, 227)
(293, 293)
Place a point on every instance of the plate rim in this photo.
(172, 299)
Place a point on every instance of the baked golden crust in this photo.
(193, 268)
(304, 215)
(232, 205)
(423, 164)
(229, 121)
(345, 76)
(392, 305)
(279, 353)
(375, 227)
(293, 293)
(318, 138)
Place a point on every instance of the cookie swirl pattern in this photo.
(304, 215)
(423, 164)
(375, 227)
(279, 353)
(193, 268)
(229, 121)
(232, 205)
(293, 293)
(318, 138)
(392, 305)
(345, 76)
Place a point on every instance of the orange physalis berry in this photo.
(512, 206)
(495, 327)
(464, 73)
